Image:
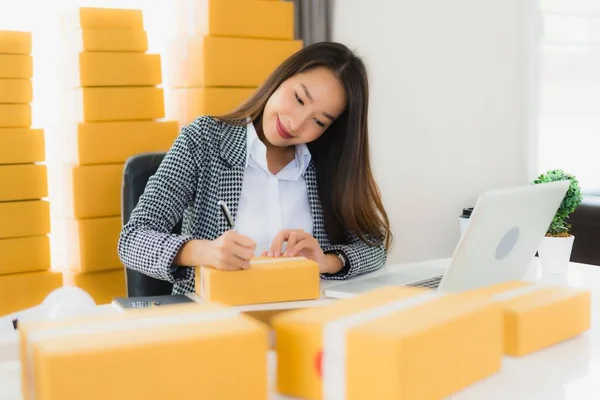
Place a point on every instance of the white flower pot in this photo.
(555, 254)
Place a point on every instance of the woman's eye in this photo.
(298, 99)
(322, 125)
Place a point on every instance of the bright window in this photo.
(569, 88)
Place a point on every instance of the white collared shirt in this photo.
(270, 203)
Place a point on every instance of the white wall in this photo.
(449, 112)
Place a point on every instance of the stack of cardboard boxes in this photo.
(114, 110)
(25, 276)
(224, 50)
(388, 343)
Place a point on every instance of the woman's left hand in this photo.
(299, 243)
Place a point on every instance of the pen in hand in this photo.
(227, 214)
(239, 249)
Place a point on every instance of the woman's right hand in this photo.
(230, 252)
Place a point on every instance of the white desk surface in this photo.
(568, 371)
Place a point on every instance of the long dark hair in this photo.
(349, 195)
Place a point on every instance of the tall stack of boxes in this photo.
(224, 50)
(115, 111)
(25, 276)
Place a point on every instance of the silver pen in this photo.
(227, 214)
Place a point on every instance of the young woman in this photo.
(292, 164)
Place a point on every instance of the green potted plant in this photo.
(555, 248)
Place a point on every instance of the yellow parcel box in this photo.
(15, 115)
(266, 281)
(107, 39)
(16, 91)
(24, 218)
(95, 104)
(103, 286)
(186, 104)
(90, 243)
(21, 146)
(24, 254)
(114, 142)
(211, 61)
(92, 17)
(237, 18)
(539, 316)
(391, 343)
(15, 42)
(16, 66)
(23, 182)
(89, 69)
(88, 191)
(25, 290)
(219, 354)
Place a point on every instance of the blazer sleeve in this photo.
(361, 258)
(146, 243)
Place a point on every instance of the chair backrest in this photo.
(138, 169)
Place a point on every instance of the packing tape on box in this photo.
(116, 326)
(511, 294)
(334, 340)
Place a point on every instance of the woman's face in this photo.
(302, 108)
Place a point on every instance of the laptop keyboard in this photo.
(431, 283)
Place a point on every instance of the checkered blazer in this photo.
(206, 164)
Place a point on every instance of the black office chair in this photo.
(138, 169)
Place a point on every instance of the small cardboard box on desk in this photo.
(390, 343)
(268, 280)
(538, 316)
(186, 351)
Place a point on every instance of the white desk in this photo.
(568, 371)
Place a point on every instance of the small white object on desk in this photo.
(62, 302)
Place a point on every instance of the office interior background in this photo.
(466, 95)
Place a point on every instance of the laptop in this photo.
(503, 235)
